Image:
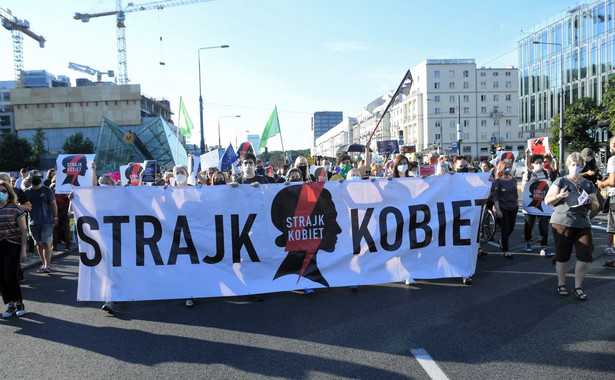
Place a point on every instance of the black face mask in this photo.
(507, 171)
(219, 182)
(303, 170)
(462, 170)
(260, 170)
(295, 180)
(36, 181)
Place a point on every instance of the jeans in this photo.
(543, 228)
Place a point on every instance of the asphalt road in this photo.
(509, 325)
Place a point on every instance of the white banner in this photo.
(142, 243)
(131, 174)
(73, 170)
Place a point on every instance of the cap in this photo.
(588, 154)
(33, 172)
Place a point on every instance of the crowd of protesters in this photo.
(29, 206)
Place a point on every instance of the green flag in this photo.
(184, 122)
(271, 129)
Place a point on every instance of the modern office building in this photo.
(323, 121)
(573, 53)
(342, 134)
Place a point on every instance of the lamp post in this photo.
(200, 93)
(562, 101)
(221, 117)
(236, 144)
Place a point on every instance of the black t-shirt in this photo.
(21, 196)
(257, 178)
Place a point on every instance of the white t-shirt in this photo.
(610, 168)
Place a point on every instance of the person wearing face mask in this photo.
(401, 167)
(413, 169)
(327, 165)
(217, 178)
(12, 250)
(551, 165)
(43, 217)
(293, 175)
(302, 164)
(506, 202)
(572, 197)
(249, 176)
(460, 164)
(344, 164)
(536, 174)
(610, 182)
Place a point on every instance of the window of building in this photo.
(466, 109)
(453, 136)
(451, 85)
(437, 110)
(451, 73)
(451, 110)
(496, 122)
(483, 74)
(466, 123)
(496, 84)
(509, 122)
(466, 136)
(496, 98)
(466, 73)
(436, 98)
(483, 135)
(438, 124)
(508, 109)
(483, 123)
(436, 74)
(452, 123)
(508, 84)
(533, 134)
(483, 109)
(509, 135)
(466, 84)
(483, 98)
(466, 149)
(436, 85)
(483, 84)
(437, 136)
(507, 73)
(495, 73)
(520, 135)
(452, 99)
(466, 98)
(508, 98)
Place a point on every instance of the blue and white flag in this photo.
(228, 158)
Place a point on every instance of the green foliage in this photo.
(15, 153)
(38, 145)
(77, 144)
(607, 111)
(580, 120)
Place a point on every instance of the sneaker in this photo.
(610, 251)
(46, 270)
(9, 312)
(108, 307)
(410, 281)
(546, 252)
(21, 309)
(308, 291)
(189, 302)
(467, 281)
(528, 247)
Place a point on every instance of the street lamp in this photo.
(236, 144)
(201, 95)
(561, 95)
(220, 117)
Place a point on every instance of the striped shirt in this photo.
(9, 228)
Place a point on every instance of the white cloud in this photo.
(345, 46)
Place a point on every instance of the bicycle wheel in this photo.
(487, 226)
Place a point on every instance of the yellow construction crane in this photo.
(120, 17)
(17, 27)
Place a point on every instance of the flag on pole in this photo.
(271, 129)
(184, 123)
(228, 158)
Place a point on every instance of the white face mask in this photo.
(574, 170)
(327, 167)
(402, 168)
(249, 169)
(414, 173)
(537, 167)
(355, 178)
(181, 178)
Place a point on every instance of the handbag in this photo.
(606, 205)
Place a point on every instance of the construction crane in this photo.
(91, 71)
(17, 27)
(120, 17)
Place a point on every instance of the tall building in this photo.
(6, 115)
(574, 52)
(323, 121)
(448, 92)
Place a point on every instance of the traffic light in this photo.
(492, 149)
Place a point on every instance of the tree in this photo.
(77, 144)
(38, 145)
(15, 153)
(607, 111)
(579, 120)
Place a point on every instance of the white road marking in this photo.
(428, 364)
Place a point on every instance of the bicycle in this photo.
(488, 225)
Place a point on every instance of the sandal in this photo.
(562, 291)
(481, 252)
(580, 294)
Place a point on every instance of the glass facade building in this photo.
(575, 53)
(324, 121)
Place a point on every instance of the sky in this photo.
(303, 56)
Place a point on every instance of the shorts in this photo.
(566, 237)
(42, 233)
(610, 225)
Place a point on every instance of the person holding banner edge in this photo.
(572, 198)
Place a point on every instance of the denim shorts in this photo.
(42, 233)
